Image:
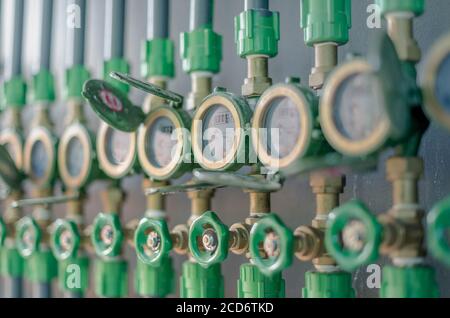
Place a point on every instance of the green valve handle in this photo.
(326, 21)
(3, 231)
(28, 236)
(152, 240)
(65, 240)
(438, 224)
(271, 245)
(107, 235)
(208, 240)
(390, 6)
(257, 32)
(353, 235)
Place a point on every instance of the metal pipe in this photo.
(42, 290)
(75, 32)
(13, 65)
(256, 4)
(13, 287)
(202, 12)
(158, 19)
(114, 29)
(45, 35)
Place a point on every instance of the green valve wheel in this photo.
(153, 242)
(28, 236)
(65, 240)
(271, 245)
(389, 6)
(208, 240)
(3, 231)
(107, 235)
(438, 224)
(353, 235)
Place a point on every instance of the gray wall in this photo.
(294, 203)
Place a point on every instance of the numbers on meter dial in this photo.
(39, 159)
(358, 108)
(281, 127)
(218, 133)
(161, 142)
(74, 157)
(118, 145)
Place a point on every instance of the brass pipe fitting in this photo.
(325, 59)
(308, 243)
(400, 28)
(75, 112)
(200, 203)
(239, 238)
(258, 79)
(112, 200)
(12, 118)
(151, 101)
(201, 86)
(180, 239)
(156, 201)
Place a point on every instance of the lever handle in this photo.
(189, 187)
(45, 201)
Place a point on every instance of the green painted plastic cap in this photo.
(328, 285)
(113, 106)
(158, 58)
(208, 239)
(271, 245)
(111, 278)
(257, 32)
(438, 229)
(201, 51)
(152, 241)
(199, 282)
(116, 65)
(409, 282)
(353, 236)
(325, 21)
(75, 79)
(41, 267)
(155, 281)
(43, 87)
(107, 235)
(28, 236)
(11, 262)
(14, 93)
(253, 283)
(388, 6)
(73, 275)
(65, 239)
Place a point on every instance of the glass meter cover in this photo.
(435, 83)
(283, 125)
(76, 156)
(219, 132)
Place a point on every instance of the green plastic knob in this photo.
(271, 245)
(3, 233)
(201, 51)
(199, 282)
(74, 80)
(65, 239)
(409, 282)
(116, 65)
(73, 274)
(253, 283)
(158, 58)
(438, 224)
(152, 241)
(43, 87)
(328, 285)
(111, 278)
(415, 6)
(326, 21)
(257, 32)
(155, 281)
(208, 240)
(14, 93)
(28, 236)
(107, 235)
(353, 235)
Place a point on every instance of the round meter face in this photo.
(161, 142)
(118, 146)
(358, 107)
(282, 127)
(39, 159)
(74, 157)
(443, 84)
(218, 133)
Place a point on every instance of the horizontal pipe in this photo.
(157, 19)
(201, 15)
(76, 29)
(114, 29)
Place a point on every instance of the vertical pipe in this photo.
(13, 66)
(114, 29)
(157, 17)
(12, 287)
(75, 33)
(42, 290)
(256, 4)
(201, 14)
(45, 35)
